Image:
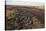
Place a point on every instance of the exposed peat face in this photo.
(22, 17)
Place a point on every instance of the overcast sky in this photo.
(24, 2)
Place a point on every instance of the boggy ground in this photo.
(22, 17)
